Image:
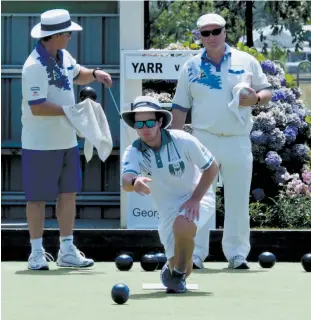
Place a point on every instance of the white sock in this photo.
(65, 242)
(36, 244)
(177, 271)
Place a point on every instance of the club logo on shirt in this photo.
(177, 169)
(35, 91)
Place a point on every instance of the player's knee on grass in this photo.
(183, 229)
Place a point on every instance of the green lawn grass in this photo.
(280, 293)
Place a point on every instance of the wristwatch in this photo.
(256, 104)
(95, 71)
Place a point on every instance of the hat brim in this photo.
(37, 33)
(210, 24)
(127, 116)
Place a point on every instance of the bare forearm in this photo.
(179, 119)
(265, 96)
(205, 182)
(47, 109)
(85, 76)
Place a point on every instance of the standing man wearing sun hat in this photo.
(50, 156)
(222, 121)
(172, 160)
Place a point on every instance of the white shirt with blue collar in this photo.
(174, 168)
(206, 88)
(45, 78)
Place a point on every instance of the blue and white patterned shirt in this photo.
(46, 79)
(206, 88)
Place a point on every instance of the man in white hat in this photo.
(50, 155)
(207, 85)
(166, 164)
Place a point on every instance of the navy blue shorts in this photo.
(47, 173)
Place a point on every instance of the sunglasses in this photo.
(148, 123)
(207, 33)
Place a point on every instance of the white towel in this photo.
(90, 122)
(234, 105)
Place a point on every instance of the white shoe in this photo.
(73, 258)
(197, 263)
(238, 262)
(38, 260)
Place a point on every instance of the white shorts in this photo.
(207, 210)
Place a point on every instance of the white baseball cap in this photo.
(209, 19)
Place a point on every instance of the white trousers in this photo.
(234, 155)
(166, 234)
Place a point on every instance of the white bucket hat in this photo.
(147, 104)
(52, 22)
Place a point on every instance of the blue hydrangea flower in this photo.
(290, 134)
(294, 120)
(258, 194)
(259, 137)
(278, 95)
(277, 139)
(268, 66)
(259, 152)
(273, 160)
(279, 116)
(264, 122)
(300, 152)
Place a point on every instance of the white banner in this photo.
(141, 212)
(154, 67)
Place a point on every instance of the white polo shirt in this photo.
(174, 168)
(45, 79)
(207, 89)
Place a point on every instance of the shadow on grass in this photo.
(163, 294)
(226, 270)
(59, 272)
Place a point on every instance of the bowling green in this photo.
(280, 293)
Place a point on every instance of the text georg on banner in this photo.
(141, 212)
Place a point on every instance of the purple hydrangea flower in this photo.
(277, 139)
(268, 66)
(282, 81)
(258, 194)
(300, 152)
(290, 133)
(196, 34)
(279, 95)
(259, 137)
(273, 160)
(297, 92)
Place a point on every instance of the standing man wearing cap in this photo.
(206, 87)
(171, 161)
(50, 155)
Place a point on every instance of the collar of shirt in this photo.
(140, 145)
(225, 57)
(46, 56)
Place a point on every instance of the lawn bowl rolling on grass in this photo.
(278, 293)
